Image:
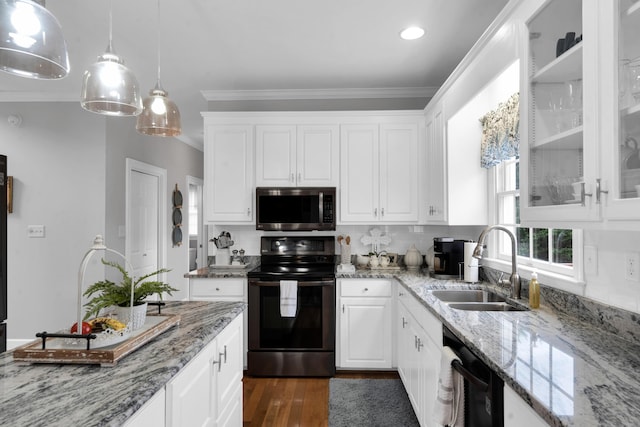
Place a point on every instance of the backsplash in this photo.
(618, 321)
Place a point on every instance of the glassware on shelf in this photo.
(573, 90)
(634, 80)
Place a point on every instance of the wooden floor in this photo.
(289, 402)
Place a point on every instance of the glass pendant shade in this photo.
(31, 41)
(160, 115)
(110, 88)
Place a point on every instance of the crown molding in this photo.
(307, 94)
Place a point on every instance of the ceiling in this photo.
(249, 48)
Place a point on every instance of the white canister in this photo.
(470, 263)
(413, 258)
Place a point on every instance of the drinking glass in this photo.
(634, 80)
(573, 90)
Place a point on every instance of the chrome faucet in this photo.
(514, 279)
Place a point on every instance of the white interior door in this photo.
(146, 189)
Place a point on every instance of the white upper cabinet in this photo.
(620, 133)
(581, 163)
(297, 156)
(228, 173)
(560, 144)
(379, 172)
(436, 186)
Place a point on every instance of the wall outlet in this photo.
(591, 260)
(35, 231)
(631, 266)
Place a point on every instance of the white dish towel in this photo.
(288, 298)
(449, 407)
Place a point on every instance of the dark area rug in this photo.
(369, 402)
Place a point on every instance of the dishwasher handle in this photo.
(458, 366)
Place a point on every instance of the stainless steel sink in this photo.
(476, 300)
(487, 306)
(468, 295)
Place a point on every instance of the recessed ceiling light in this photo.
(412, 33)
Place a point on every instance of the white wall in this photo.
(609, 285)
(57, 159)
(178, 159)
(69, 174)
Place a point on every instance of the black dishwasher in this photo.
(483, 389)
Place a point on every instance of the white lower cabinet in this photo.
(419, 343)
(517, 413)
(208, 391)
(151, 414)
(221, 289)
(364, 324)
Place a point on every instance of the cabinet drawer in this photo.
(217, 287)
(365, 288)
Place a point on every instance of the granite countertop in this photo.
(89, 395)
(568, 359)
(221, 272)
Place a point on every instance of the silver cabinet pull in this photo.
(248, 211)
(299, 177)
(375, 212)
(366, 289)
(404, 322)
(599, 191)
(216, 362)
(382, 211)
(420, 344)
(225, 354)
(293, 177)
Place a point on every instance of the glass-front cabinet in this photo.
(580, 129)
(559, 144)
(623, 158)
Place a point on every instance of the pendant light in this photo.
(108, 87)
(160, 115)
(31, 41)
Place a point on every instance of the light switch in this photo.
(35, 231)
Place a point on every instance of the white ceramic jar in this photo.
(413, 258)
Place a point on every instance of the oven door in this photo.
(312, 328)
(300, 346)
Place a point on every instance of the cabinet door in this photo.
(318, 156)
(190, 400)
(151, 414)
(365, 333)
(429, 362)
(228, 373)
(275, 156)
(398, 172)
(359, 173)
(436, 185)
(619, 44)
(228, 171)
(560, 134)
(517, 413)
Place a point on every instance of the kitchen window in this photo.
(549, 250)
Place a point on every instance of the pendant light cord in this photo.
(110, 26)
(158, 40)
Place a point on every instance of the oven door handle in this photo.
(301, 283)
(458, 366)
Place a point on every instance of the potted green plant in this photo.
(111, 294)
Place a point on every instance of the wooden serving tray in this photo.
(55, 351)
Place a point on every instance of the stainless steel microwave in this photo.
(295, 208)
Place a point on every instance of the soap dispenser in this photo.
(534, 291)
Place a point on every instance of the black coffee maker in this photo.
(448, 258)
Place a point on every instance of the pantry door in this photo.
(146, 189)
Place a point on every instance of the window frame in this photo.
(552, 274)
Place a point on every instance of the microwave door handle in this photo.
(321, 207)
